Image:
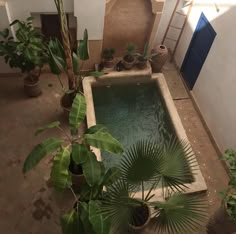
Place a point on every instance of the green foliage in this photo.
(40, 151)
(147, 162)
(70, 223)
(56, 59)
(60, 175)
(49, 126)
(104, 141)
(27, 51)
(180, 213)
(168, 165)
(130, 52)
(77, 152)
(145, 56)
(229, 197)
(108, 53)
(78, 111)
(83, 48)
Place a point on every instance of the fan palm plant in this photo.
(147, 166)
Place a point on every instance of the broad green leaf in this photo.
(70, 222)
(83, 50)
(104, 141)
(49, 126)
(56, 63)
(75, 60)
(96, 128)
(84, 216)
(92, 169)
(60, 175)
(78, 111)
(40, 151)
(98, 221)
(111, 176)
(79, 153)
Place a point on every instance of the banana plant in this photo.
(74, 150)
(145, 167)
(61, 57)
(86, 217)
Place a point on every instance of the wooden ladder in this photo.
(175, 12)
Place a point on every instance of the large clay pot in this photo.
(220, 223)
(141, 217)
(159, 60)
(32, 88)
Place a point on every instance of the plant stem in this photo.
(142, 190)
(64, 132)
(58, 77)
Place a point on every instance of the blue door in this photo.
(197, 52)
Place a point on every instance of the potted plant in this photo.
(74, 160)
(129, 58)
(224, 219)
(26, 53)
(108, 57)
(142, 59)
(145, 167)
(85, 215)
(61, 59)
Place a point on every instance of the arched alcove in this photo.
(126, 22)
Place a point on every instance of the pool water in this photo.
(131, 112)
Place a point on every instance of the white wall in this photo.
(21, 9)
(90, 14)
(4, 23)
(215, 88)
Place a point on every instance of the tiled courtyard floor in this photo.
(28, 204)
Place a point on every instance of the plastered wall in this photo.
(214, 90)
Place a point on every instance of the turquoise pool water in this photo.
(131, 113)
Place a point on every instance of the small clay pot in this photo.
(108, 63)
(141, 217)
(32, 88)
(77, 176)
(159, 60)
(128, 65)
(142, 64)
(66, 105)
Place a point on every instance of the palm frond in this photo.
(169, 165)
(180, 213)
(140, 162)
(176, 164)
(118, 206)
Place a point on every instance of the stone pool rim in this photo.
(145, 76)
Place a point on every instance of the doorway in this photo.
(197, 52)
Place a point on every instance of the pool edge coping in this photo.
(199, 184)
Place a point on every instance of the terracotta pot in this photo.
(142, 64)
(159, 60)
(66, 105)
(32, 88)
(221, 223)
(108, 63)
(77, 181)
(128, 65)
(143, 212)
